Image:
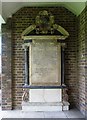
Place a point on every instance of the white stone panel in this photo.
(45, 95)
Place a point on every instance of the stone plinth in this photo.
(45, 106)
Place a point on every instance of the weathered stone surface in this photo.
(45, 64)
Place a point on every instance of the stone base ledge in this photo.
(45, 106)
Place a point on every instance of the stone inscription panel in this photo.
(45, 64)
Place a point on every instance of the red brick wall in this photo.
(86, 61)
(20, 21)
(82, 61)
(0, 81)
(6, 67)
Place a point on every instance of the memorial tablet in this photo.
(45, 63)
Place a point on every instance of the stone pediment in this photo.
(45, 25)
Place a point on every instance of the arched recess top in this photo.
(44, 25)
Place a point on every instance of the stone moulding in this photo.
(44, 87)
(45, 37)
(55, 26)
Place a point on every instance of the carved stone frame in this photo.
(28, 45)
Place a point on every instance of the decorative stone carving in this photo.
(65, 94)
(25, 96)
(45, 24)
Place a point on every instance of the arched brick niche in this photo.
(21, 20)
